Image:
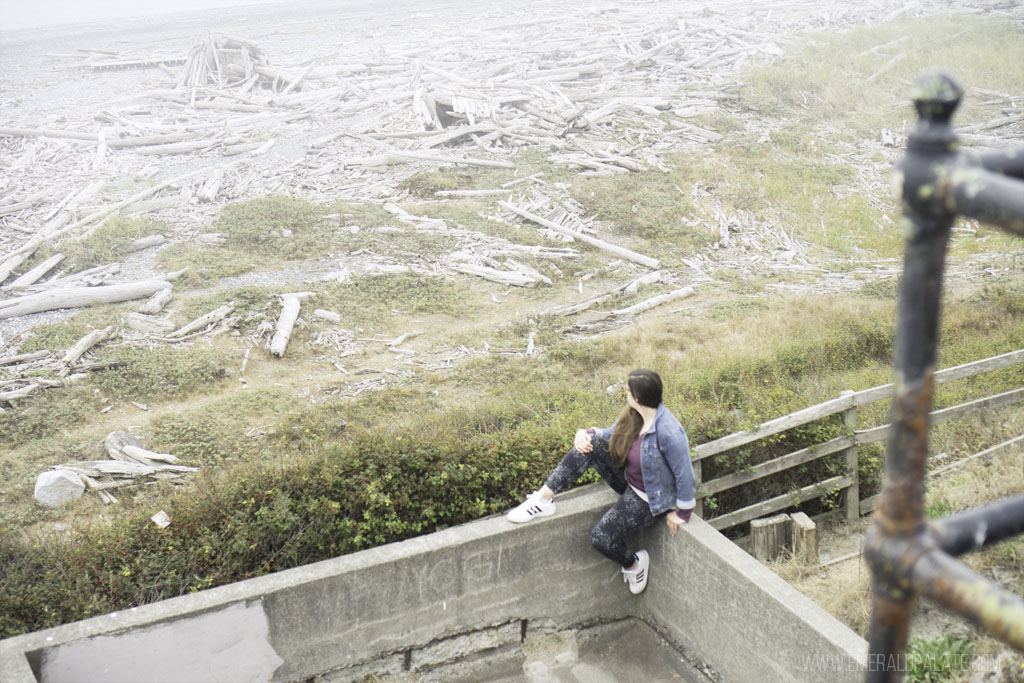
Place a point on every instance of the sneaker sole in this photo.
(530, 518)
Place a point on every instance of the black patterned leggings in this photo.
(629, 514)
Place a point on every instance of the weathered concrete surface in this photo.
(234, 640)
(455, 595)
(741, 617)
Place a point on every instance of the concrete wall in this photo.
(437, 598)
(722, 595)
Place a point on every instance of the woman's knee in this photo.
(601, 539)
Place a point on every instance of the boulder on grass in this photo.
(57, 487)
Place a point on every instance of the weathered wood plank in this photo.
(951, 413)
(977, 367)
(780, 464)
(778, 503)
(771, 427)
(805, 538)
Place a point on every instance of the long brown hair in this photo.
(646, 387)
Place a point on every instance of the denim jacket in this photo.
(665, 463)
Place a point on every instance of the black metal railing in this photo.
(910, 557)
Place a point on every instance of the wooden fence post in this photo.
(805, 538)
(852, 466)
(699, 509)
(770, 537)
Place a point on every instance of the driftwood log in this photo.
(290, 306)
(202, 321)
(75, 297)
(621, 252)
(87, 342)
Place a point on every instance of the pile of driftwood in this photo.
(229, 62)
(601, 91)
(129, 465)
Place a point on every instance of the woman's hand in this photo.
(582, 442)
(674, 521)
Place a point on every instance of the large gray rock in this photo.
(57, 487)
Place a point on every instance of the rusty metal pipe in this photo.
(950, 583)
(981, 527)
(1007, 162)
(984, 195)
(894, 543)
(906, 556)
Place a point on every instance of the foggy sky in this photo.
(22, 14)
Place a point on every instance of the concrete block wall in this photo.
(410, 605)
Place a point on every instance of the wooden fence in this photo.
(847, 404)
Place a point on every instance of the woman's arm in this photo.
(675, 448)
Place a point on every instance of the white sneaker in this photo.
(637, 578)
(534, 506)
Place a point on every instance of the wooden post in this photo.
(805, 538)
(852, 466)
(699, 510)
(770, 537)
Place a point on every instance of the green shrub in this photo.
(46, 413)
(938, 659)
(281, 227)
(371, 299)
(160, 373)
(56, 337)
(105, 245)
(376, 488)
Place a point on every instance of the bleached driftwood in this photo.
(148, 457)
(148, 324)
(202, 321)
(504, 277)
(156, 303)
(470, 193)
(145, 243)
(18, 393)
(403, 157)
(18, 256)
(75, 297)
(286, 321)
(24, 357)
(584, 304)
(648, 304)
(34, 275)
(621, 252)
(87, 342)
(208, 192)
(329, 316)
(117, 440)
(156, 204)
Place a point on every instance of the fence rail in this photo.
(846, 404)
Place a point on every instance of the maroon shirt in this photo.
(634, 474)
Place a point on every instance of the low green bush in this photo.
(160, 373)
(937, 659)
(282, 227)
(341, 498)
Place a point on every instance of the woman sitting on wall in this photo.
(645, 457)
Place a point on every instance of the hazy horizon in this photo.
(16, 15)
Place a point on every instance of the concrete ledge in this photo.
(442, 597)
(719, 594)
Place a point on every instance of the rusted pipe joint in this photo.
(892, 559)
(931, 155)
